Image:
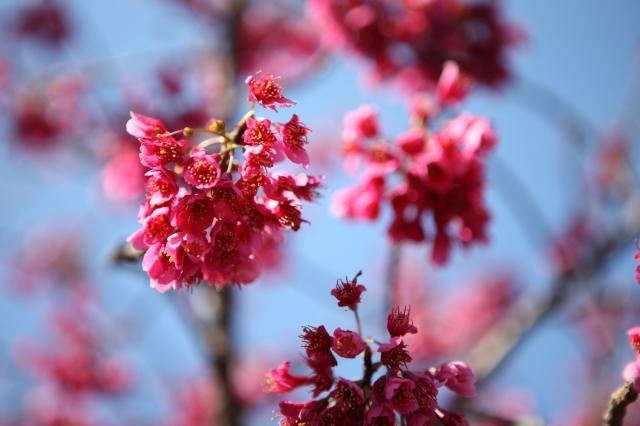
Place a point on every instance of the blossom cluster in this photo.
(398, 392)
(207, 217)
(410, 41)
(426, 173)
(76, 363)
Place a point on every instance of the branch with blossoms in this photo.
(206, 218)
(399, 393)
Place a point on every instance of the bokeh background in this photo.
(575, 86)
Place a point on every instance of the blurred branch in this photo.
(127, 254)
(501, 340)
(218, 341)
(522, 421)
(617, 408)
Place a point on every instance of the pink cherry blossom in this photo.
(202, 170)
(399, 393)
(349, 293)
(399, 323)
(317, 343)
(259, 133)
(160, 151)
(634, 338)
(141, 126)
(193, 213)
(452, 86)
(380, 415)
(161, 185)
(347, 344)
(412, 141)
(458, 377)
(363, 121)
(279, 380)
(266, 92)
(347, 394)
(156, 229)
(294, 138)
(394, 354)
(631, 371)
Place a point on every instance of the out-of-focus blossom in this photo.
(399, 391)
(458, 377)
(437, 175)
(45, 21)
(411, 41)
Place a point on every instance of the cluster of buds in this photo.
(207, 217)
(412, 395)
(437, 174)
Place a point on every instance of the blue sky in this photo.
(585, 52)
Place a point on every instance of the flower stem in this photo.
(358, 323)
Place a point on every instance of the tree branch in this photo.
(617, 408)
(500, 341)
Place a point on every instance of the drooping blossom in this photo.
(294, 138)
(280, 381)
(349, 293)
(141, 126)
(318, 342)
(347, 344)
(458, 377)
(394, 354)
(347, 394)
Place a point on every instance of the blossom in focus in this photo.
(347, 344)
(211, 216)
(279, 380)
(399, 323)
(266, 92)
(399, 391)
(349, 293)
